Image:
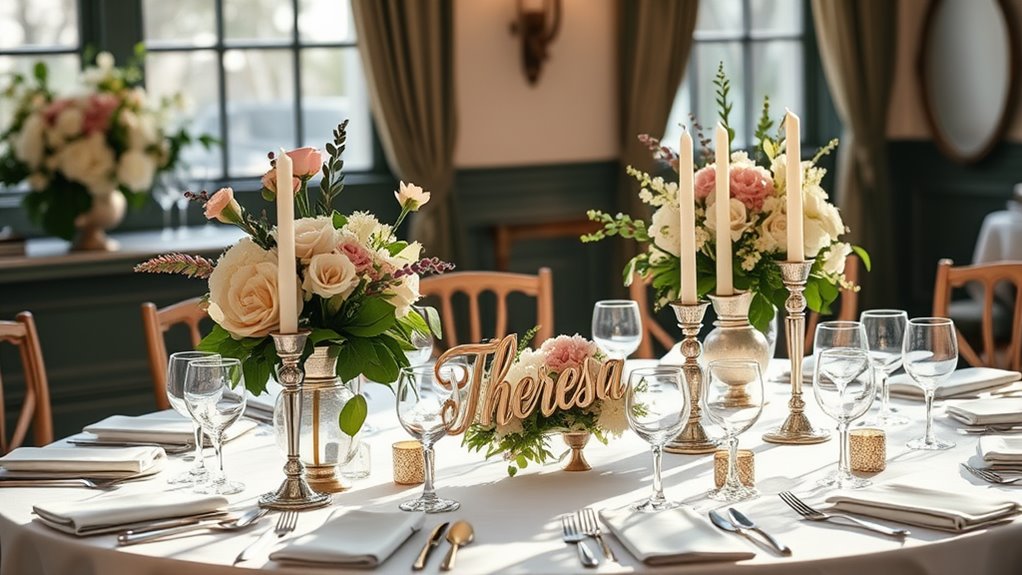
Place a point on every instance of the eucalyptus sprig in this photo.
(332, 183)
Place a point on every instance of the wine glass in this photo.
(733, 417)
(885, 330)
(215, 396)
(617, 327)
(428, 404)
(423, 342)
(844, 386)
(166, 192)
(657, 406)
(832, 334)
(930, 354)
(177, 366)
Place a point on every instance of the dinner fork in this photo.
(591, 527)
(571, 534)
(812, 514)
(101, 484)
(286, 523)
(991, 476)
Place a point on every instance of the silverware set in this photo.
(460, 534)
(287, 521)
(812, 514)
(739, 523)
(231, 523)
(991, 476)
(577, 529)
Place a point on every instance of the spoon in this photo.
(460, 533)
(743, 521)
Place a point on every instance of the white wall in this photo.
(570, 115)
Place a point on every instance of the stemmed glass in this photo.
(845, 388)
(734, 418)
(931, 354)
(215, 396)
(177, 366)
(427, 406)
(657, 406)
(832, 334)
(617, 327)
(885, 330)
(423, 342)
(167, 192)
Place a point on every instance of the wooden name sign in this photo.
(504, 401)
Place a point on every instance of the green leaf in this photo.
(214, 339)
(864, 256)
(512, 470)
(257, 368)
(353, 415)
(267, 195)
(376, 316)
(355, 354)
(386, 368)
(40, 72)
(761, 312)
(396, 247)
(319, 335)
(813, 299)
(521, 462)
(340, 221)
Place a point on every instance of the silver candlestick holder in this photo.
(294, 493)
(692, 438)
(796, 429)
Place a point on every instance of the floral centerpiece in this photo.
(357, 280)
(758, 222)
(523, 440)
(96, 147)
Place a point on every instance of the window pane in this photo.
(777, 72)
(333, 89)
(180, 22)
(719, 16)
(775, 16)
(258, 20)
(64, 70)
(708, 57)
(194, 75)
(680, 117)
(325, 21)
(26, 23)
(260, 107)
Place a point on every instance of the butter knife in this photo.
(434, 540)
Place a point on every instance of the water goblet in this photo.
(657, 406)
(177, 366)
(617, 327)
(930, 354)
(215, 396)
(733, 417)
(428, 404)
(885, 330)
(423, 342)
(844, 387)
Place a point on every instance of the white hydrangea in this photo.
(612, 418)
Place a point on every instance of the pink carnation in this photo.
(357, 254)
(705, 182)
(564, 352)
(98, 111)
(751, 186)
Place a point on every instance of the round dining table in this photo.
(517, 519)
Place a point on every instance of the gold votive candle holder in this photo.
(408, 463)
(868, 449)
(746, 467)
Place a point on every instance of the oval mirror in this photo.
(967, 63)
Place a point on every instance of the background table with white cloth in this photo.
(516, 519)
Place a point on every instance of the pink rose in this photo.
(357, 254)
(269, 181)
(306, 162)
(563, 352)
(705, 182)
(751, 186)
(54, 109)
(98, 111)
(223, 207)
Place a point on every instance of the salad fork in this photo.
(812, 514)
(591, 527)
(571, 534)
(991, 476)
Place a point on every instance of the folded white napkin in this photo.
(83, 462)
(674, 536)
(988, 411)
(967, 381)
(354, 539)
(110, 514)
(1001, 449)
(930, 508)
(165, 427)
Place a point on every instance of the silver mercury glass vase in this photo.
(733, 337)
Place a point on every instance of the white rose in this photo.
(243, 296)
(816, 237)
(405, 294)
(775, 232)
(136, 170)
(314, 236)
(664, 229)
(834, 262)
(105, 60)
(142, 133)
(831, 218)
(29, 146)
(69, 122)
(89, 161)
(739, 218)
(329, 275)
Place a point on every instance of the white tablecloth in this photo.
(1000, 237)
(516, 519)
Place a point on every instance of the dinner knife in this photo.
(434, 540)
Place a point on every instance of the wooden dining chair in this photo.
(652, 331)
(35, 409)
(992, 353)
(848, 304)
(501, 284)
(157, 322)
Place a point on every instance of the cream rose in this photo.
(816, 237)
(775, 232)
(834, 261)
(243, 297)
(29, 145)
(69, 122)
(89, 161)
(314, 236)
(329, 275)
(664, 228)
(411, 197)
(739, 218)
(405, 294)
(136, 170)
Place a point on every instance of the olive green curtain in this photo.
(407, 52)
(656, 38)
(857, 44)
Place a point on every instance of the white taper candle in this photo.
(722, 207)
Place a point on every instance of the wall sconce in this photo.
(538, 26)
